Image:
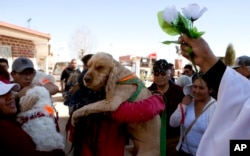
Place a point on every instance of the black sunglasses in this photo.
(162, 73)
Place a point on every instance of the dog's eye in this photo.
(99, 67)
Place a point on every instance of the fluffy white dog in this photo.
(42, 78)
(37, 119)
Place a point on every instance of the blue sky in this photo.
(129, 26)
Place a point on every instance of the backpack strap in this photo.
(191, 125)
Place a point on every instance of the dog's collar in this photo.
(127, 77)
(132, 79)
(23, 120)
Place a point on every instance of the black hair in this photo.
(86, 58)
(200, 75)
(4, 74)
(4, 60)
(188, 66)
(161, 64)
(170, 65)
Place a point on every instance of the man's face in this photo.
(243, 70)
(5, 65)
(188, 72)
(24, 78)
(73, 64)
(172, 71)
(161, 77)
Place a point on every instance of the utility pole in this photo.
(28, 21)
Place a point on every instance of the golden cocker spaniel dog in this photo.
(103, 73)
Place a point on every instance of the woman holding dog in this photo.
(13, 139)
(103, 134)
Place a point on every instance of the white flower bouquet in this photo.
(174, 23)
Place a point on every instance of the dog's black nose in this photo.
(87, 78)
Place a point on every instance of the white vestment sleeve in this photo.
(231, 118)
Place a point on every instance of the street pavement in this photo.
(63, 118)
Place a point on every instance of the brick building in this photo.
(141, 65)
(16, 41)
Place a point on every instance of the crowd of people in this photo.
(194, 108)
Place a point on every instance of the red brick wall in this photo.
(19, 47)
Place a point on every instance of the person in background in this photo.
(13, 139)
(4, 75)
(231, 117)
(193, 114)
(4, 62)
(172, 70)
(242, 66)
(183, 80)
(23, 72)
(188, 70)
(173, 95)
(65, 75)
(80, 86)
(85, 60)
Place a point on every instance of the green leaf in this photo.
(187, 23)
(184, 25)
(195, 34)
(170, 42)
(166, 27)
(189, 51)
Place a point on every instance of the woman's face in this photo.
(7, 104)
(200, 90)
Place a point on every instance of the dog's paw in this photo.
(74, 119)
(75, 116)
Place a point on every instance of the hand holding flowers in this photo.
(174, 23)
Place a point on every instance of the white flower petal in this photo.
(170, 15)
(201, 12)
(193, 12)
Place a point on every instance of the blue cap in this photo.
(21, 64)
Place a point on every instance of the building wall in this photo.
(19, 47)
(26, 48)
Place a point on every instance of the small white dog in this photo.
(42, 78)
(37, 119)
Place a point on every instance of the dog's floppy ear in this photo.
(111, 82)
(28, 101)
